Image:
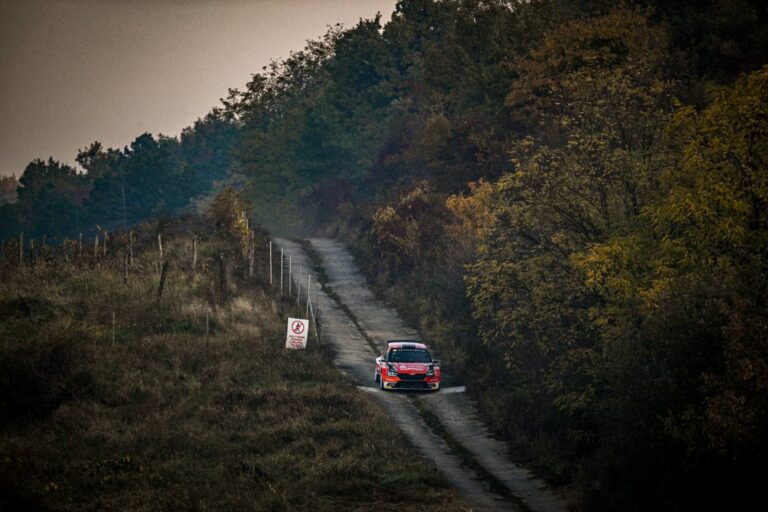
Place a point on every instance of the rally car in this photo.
(407, 365)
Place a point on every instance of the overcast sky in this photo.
(75, 71)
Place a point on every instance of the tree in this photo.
(141, 180)
(50, 197)
(685, 301)
(594, 94)
(205, 152)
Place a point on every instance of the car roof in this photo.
(406, 344)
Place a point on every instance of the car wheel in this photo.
(381, 384)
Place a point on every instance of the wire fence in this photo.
(293, 282)
(120, 251)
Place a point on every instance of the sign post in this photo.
(296, 334)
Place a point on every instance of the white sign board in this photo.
(296, 335)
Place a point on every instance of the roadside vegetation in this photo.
(191, 402)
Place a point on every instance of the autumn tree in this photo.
(595, 96)
(684, 313)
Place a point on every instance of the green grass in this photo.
(167, 418)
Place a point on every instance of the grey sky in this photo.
(75, 71)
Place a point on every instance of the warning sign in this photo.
(296, 336)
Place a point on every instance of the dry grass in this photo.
(167, 418)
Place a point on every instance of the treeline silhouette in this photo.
(153, 176)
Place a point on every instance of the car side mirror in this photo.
(436, 362)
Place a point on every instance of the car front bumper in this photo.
(424, 384)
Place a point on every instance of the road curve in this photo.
(374, 323)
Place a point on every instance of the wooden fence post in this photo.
(194, 255)
(251, 253)
(298, 291)
(290, 274)
(313, 318)
(222, 278)
(163, 273)
(160, 252)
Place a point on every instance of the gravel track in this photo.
(354, 355)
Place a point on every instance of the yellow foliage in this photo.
(473, 215)
(229, 214)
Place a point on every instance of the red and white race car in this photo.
(407, 365)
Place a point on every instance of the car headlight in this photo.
(391, 371)
(431, 371)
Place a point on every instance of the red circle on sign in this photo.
(297, 327)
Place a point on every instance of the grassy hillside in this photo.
(170, 415)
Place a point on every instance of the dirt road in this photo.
(357, 326)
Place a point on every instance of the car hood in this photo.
(412, 368)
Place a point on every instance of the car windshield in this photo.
(409, 356)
